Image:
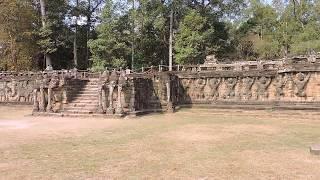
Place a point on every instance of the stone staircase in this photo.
(82, 97)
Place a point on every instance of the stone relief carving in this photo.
(300, 82)
(199, 88)
(247, 83)
(191, 88)
(262, 86)
(230, 84)
(56, 93)
(121, 84)
(4, 91)
(211, 90)
(22, 90)
(112, 84)
(279, 83)
(185, 90)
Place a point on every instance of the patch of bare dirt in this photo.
(293, 164)
(217, 133)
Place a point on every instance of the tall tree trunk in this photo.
(88, 32)
(44, 24)
(75, 45)
(13, 51)
(171, 40)
(75, 48)
(133, 35)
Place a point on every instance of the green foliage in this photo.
(16, 34)
(112, 46)
(281, 30)
(138, 30)
(191, 38)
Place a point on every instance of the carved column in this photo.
(121, 83)
(112, 83)
(35, 101)
(133, 97)
(100, 99)
(42, 100)
(110, 109)
(170, 107)
(104, 99)
(119, 109)
(49, 107)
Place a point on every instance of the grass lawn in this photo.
(189, 144)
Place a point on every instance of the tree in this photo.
(46, 43)
(191, 39)
(16, 29)
(112, 47)
(53, 36)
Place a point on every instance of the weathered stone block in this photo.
(315, 149)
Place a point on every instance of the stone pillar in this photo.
(133, 98)
(100, 100)
(110, 109)
(119, 109)
(170, 107)
(42, 100)
(35, 101)
(49, 107)
(104, 100)
(64, 96)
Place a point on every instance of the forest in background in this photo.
(135, 33)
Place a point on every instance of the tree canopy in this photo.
(134, 33)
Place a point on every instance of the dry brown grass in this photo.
(190, 144)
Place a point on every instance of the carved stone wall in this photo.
(17, 90)
(297, 84)
(120, 93)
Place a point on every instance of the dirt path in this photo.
(189, 144)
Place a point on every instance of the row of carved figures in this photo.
(16, 91)
(48, 92)
(208, 88)
(107, 85)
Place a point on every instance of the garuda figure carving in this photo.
(230, 88)
(211, 90)
(247, 83)
(199, 89)
(279, 83)
(300, 82)
(185, 89)
(262, 85)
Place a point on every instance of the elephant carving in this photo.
(22, 90)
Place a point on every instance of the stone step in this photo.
(83, 98)
(84, 93)
(88, 88)
(83, 87)
(83, 82)
(80, 109)
(88, 96)
(79, 112)
(83, 90)
(88, 101)
(82, 105)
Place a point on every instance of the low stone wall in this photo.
(17, 90)
(296, 84)
(271, 84)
